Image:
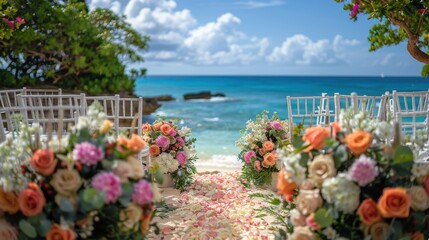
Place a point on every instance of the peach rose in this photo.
(122, 143)
(297, 219)
(302, 233)
(417, 236)
(154, 150)
(269, 160)
(419, 198)
(166, 129)
(58, 233)
(308, 201)
(368, 212)
(335, 128)
(7, 231)
(123, 170)
(145, 223)
(157, 126)
(378, 230)
(137, 168)
(31, 200)
(268, 146)
(66, 182)
(257, 165)
(315, 136)
(321, 168)
(146, 127)
(106, 126)
(284, 185)
(307, 184)
(129, 217)
(8, 202)
(359, 141)
(395, 202)
(136, 143)
(43, 161)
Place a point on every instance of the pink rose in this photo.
(312, 223)
(162, 142)
(258, 166)
(427, 185)
(276, 125)
(248, 156)
(173, 133)
(181, 157)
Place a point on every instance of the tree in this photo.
(400, 20)
(63, 44)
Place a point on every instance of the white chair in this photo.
(110, 106)
(310, 110)
(2, 130)
(412, 122)
(374, 106)
(409, 101)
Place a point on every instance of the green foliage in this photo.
(399, 21)
(183, 176)
(63, 44)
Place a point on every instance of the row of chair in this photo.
(410, 109)
(57, 112)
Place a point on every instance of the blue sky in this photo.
(258, 37)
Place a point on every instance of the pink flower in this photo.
(180, 141)
(87, 153)
(312, 223)
(422, 11)
(363, 171)
(110, 184)
(258, 166)
(162, 141)
(143, 193)
(248, 156)
(276, 125)
(20, 20)
(181, 157)
(173, 133)
(9, 23)
(427, 184)
(355, 9)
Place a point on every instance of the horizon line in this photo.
(268, 75)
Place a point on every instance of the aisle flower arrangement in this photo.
(86, 186)
(171, 151)
(259, 143)
(348, 182)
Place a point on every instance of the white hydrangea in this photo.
(420, 169)
(59, 145)
(166, 163)
(384, 130)
(184, 131)
(94, 117)
(341, 192)
(293, 169)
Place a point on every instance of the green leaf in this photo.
(305, 156)
(91, 199)
(27, 229)
(44, 227)
(127, 191)
(323, 218)
(275, 201)
(403, 154)
(340, 155)
(66, 205)
(107, 164)
(297, 142)
(159, 176)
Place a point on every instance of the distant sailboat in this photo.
(382, 75)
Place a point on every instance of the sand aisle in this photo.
(216, 206)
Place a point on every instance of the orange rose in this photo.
(157, 126)
(394, 202)
(58, 233)
(359, 141)
(43, 161)
(31, 200)
(145, 224)
(146, 127)
(136, 143)
(417, 236)
(368, 212)
(335, 128)
(315, 136)
(269, 160)
(154, 150)
(121, 143)
(284, 185)
(165, 128)
(268, 146)
(8, 202)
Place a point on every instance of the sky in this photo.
(258, 37)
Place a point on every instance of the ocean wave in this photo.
(215, 99)
(220, 161)
(215, 119)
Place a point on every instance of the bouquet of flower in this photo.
(349, 182)
(171, 151)
(259, 143)
(85, 186)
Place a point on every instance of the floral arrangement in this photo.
(171, 151)
(86, 186)
(349, 182)
(259, 143)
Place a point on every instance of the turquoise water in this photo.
(216, 123)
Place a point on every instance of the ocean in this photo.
(216, 123)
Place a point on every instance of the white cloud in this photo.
(259, 4)
(301, 50)
(115, 6)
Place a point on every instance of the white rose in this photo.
(129, 217)
(419, 198)
(343, 193)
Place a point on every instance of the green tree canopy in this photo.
(399, 21)
(60, 43)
